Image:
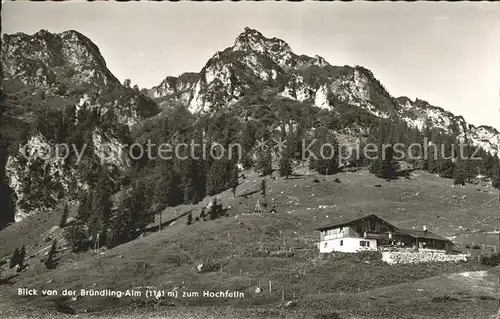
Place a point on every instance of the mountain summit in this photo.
(58, 89)
(269, 62)
(256, 63)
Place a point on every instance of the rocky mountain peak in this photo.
(255, 60)
(44, 59)
(46, 77)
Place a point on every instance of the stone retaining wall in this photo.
(411, 257)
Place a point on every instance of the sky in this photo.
(445, 53)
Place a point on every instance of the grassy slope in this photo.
(168, 258)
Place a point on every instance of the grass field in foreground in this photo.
(245, 246)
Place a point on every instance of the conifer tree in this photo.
(263, 163)
(22, 253)
(122, 226)
(495, 179)
(14, 259)
(385, 166)
(322, 157)
(84, 207)
(168, 190)
(459, 172)
(22, 258)
(6, 204)
(263, 187)
(50, 262)
(234, 180)
(285, 168)
(137, 206)
(189, 219)
(192, 180)
(218, 178)
(215, 210)
(64, 216)
(76, 235)
(101, 212)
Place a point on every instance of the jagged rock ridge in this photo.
(47, 74)
(255, 62)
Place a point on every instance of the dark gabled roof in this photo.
(353, 221)
(407, 232)
(421, 234)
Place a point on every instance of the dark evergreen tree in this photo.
(323, 158)
(215, 210)
(50, 262)
(285, 168)
(192, 180)
(234, 180)
(495, 173)
(15, 258)
(385, 166)
(137, 206)
(22, 254)
(247, 143)
(219, 176)
(76, 235)
(6, 203)
(189, 219)
(64, 216)
(263, 163)
(101, 209)
(122, 226)
(263, 187)
(84, 210)
(22, 258)
(459, 175)
(168, 191)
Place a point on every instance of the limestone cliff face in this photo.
(256, 63)
(45, 75)
(59, 82)
(420, 113)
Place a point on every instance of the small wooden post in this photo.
(249, 282)
(282, 295)
(270, 289)
(240, 272)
